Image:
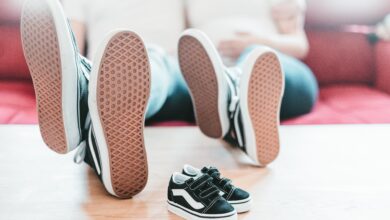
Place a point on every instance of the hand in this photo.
(286, 10)
(383, 29)
(288, 16)
(234, 47)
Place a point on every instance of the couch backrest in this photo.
(10, 11)
(336, 13)
(338, 55)
(335, 55)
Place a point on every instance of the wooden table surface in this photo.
(323, 172)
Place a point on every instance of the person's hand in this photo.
(287, 16)
(286, 10)
(234, 47)
(383, 29)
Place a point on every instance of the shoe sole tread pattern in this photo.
(200, 76)
(41, 49)
(122, 95)
(264, 98)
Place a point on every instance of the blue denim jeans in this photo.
(170, 99)
(301, 88)
(169, 96)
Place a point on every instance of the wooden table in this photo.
(323, 172)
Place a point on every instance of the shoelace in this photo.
(207, 188)
(85, 69)
(81, 148)
(233, 79)
(81, 151)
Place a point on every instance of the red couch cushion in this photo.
(352, 104)
(17, 103)
(337, 104)
(382, 61)
(12, 62)
(340, 57)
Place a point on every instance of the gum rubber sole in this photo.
(41, 49)
(123, 87)
(200, 76)
(264, 99)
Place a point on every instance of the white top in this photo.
(161, 22)
(222, 19)
(158, 22)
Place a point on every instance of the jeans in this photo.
(170, 98)
(300, 88)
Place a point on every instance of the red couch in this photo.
(354, 74)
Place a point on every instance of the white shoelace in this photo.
(81, 151)
(86, 66)
(233, 78)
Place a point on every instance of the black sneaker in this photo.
(238, 104)
(256, 91)
(197, 198)
(119, 90)
(238, 198)
(203, 70)
(60, 74)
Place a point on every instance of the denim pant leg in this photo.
(161, 82)
(169, 98)
(301, 88)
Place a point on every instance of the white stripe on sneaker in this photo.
(181, 192)
(97, 165)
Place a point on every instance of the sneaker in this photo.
(197, 198)
(238, 198)
(257, 91)
(203, 71)
(240, 105)
(119, 90)
(59, 74)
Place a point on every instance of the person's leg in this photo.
(301, 88)
(161, 81)
(56, 69)
(238, 106)
(169, 97)
(118, 95)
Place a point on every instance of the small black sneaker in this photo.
(238, 198)
(197, 198)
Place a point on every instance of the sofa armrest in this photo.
(382, 66)
(340, 57)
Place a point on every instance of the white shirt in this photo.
(158, 22)
(222, 19)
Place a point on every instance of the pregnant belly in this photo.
(227, 28)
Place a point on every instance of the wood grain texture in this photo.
(323, 172)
